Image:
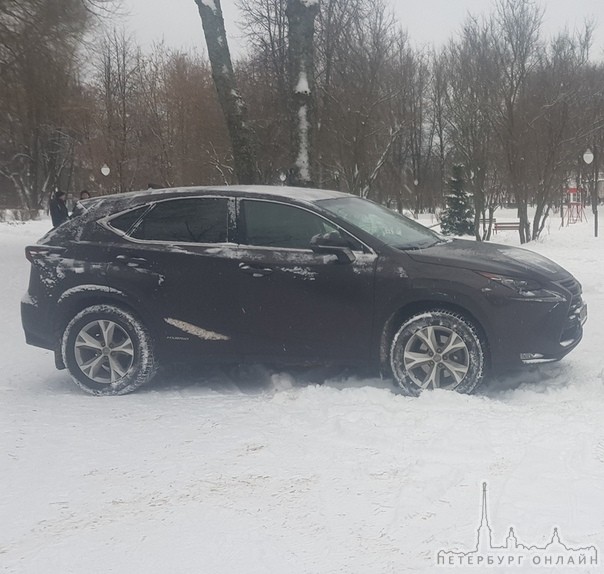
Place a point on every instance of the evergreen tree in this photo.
(458, 216)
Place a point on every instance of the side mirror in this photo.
(333, 244)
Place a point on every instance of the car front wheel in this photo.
(108, 351)
(438, 349)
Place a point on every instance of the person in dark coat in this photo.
(58, 209)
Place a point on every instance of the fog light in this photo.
(535, 358)
(530, 356)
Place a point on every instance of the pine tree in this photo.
(458, 216)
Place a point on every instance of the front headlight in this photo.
(524, 289)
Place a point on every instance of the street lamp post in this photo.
(105, 171)
(588, 158)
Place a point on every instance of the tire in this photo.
(438, 349)
(108, 351)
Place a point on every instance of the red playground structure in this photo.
(573, 210)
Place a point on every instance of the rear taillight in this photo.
(33, 252)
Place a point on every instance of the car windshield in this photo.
(388, 226)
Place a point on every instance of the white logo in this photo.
(514, 553)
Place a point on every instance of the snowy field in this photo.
(274, 473)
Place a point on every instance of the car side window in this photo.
(126, 220)
(271, 224)
(194, 220)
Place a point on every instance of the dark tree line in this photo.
(388, 120)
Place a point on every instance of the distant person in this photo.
(58, 208)
(84, 194)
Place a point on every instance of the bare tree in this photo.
(301, 16)
(118, 91)
(231, 101)
(553, 93)
(471, 100)
(266, 27)
(391, 119)
(38, 55)
(263, 76)
(438, 97)
(180, 129)
(516, 32)
(360, 122)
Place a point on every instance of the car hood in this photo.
(491, 257)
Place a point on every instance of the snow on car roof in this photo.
(300, 193)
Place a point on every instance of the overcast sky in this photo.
(427, 21)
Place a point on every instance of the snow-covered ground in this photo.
(272, 473)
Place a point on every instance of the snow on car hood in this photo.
(492, 257)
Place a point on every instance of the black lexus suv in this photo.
(286, 276)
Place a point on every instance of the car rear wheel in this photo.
(438, 349)
(108, 351)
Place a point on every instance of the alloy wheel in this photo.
(104, 351)
(436, 357)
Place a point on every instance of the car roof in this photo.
(89, 211)
(303, 194)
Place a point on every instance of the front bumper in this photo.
(570, 338)
(531, 332)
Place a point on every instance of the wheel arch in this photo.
(75, 299)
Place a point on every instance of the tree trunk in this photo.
(301, 17)
(233, 106)
(524, 229)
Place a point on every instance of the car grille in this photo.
(572, 329)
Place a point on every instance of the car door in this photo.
(299, 305)
(174, 261)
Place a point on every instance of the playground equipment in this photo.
(573, 210)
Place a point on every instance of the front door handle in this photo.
(131, 261)
(255, 271)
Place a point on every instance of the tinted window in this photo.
(278, 225)
(125, 221)
(195, 220)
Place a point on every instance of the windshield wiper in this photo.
(417, 246)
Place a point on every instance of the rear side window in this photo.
(195, 220)
(125, 221)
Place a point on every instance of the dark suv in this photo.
(286, 276)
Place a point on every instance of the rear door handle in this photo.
(255, 271)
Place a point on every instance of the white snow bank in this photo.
(272, 473)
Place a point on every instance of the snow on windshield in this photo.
(388, 226)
